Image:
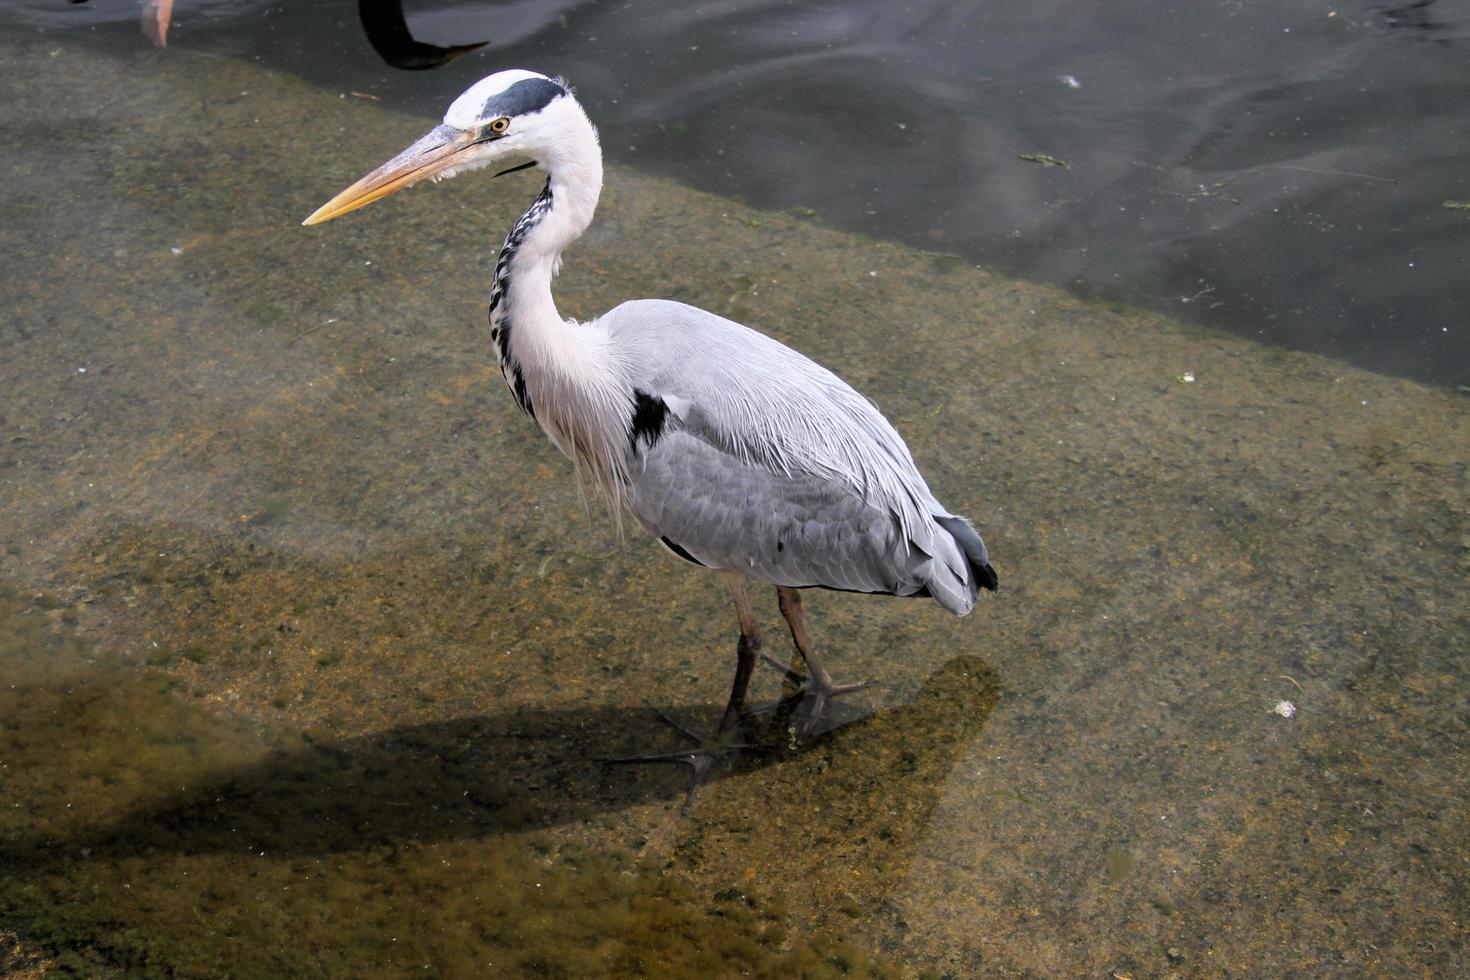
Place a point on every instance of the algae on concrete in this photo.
(327, 646)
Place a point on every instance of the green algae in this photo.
(1045, 159)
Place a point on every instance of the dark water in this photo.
(310, 651)
(1280, 170)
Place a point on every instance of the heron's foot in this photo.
(701, 755)
(809, 702)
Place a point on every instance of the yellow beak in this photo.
(442, 148)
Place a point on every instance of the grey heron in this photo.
(734, 451)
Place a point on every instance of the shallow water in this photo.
(311, 648)
(1291, 171)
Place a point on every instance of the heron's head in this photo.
(510, 115)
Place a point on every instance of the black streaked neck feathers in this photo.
(501, 324)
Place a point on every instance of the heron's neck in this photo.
(532, 341)
(560, 371)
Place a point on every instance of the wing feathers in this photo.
(768, 464)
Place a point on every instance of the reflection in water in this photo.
(156, 15)
(1417, 16)
(1336, 130)
(387, 31)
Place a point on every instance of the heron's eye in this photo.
(499, 125)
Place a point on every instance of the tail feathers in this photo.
(959, 568)
(974, 548)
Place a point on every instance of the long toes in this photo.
(688, 757)
(793, 675)
(812, 704)
(771, 707)
(693, 737)
(809, 714)
(701, 755)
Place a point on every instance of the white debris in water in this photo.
(1285, 709)
(1069, 80)
(1187, 378)
(176, 250)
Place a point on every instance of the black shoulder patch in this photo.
(649, 415)
(527, 95)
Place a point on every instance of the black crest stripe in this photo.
(527, 95)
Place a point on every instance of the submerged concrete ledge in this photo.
(272, 472)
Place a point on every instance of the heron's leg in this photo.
(818, 688)
(702, 752)
(790, 602)
(747, 650)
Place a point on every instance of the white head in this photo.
(513, 114)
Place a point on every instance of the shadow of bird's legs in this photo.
(704, 750)
(813, 691)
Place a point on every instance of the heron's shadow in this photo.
(526, 769)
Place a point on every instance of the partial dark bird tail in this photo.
(974, 548)
(959, 568)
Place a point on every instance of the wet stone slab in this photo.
(312, 648)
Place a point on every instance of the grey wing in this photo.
(745, 455)
(710, 507)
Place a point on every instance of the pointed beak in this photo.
(442, 148)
